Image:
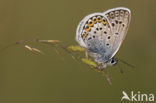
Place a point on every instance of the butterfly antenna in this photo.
(130, 65)
(108, 78)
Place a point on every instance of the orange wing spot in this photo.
(91, 24)
(88, 28)
(94, 22)
(104, 22)
(84, 35)
(99, 20)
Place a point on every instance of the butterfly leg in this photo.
(101, 67)
(104, 65)
(104, 72)
(108, 78)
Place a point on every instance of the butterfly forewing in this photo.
(119, 19)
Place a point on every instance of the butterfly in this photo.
(103, 33)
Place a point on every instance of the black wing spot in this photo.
(90, 22)
(108, 37)
(97, 29)
(116, 33)
(104, 20)
(107, 44)
(94, 18)
(100, 28)
(94, 32)
(87, 27)
(116, 21)
(113, 24)
(120, 22)
(89, 38)
(86, 22)
(105, 32)
(93, 36)
(98, 17)
(123, 25)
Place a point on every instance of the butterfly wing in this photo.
(94, 33)
(119, 20)
(81, 32)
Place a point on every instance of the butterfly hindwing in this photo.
(96, 34)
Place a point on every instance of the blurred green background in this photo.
(29, 78)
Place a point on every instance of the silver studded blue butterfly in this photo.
(103, 33)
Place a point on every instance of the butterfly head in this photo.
(112, 62)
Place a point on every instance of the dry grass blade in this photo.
(37, 50)
(33, 49)
(28, 47)
(50, 41)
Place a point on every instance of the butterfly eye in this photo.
(112, 62)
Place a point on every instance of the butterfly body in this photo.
(102, 34)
